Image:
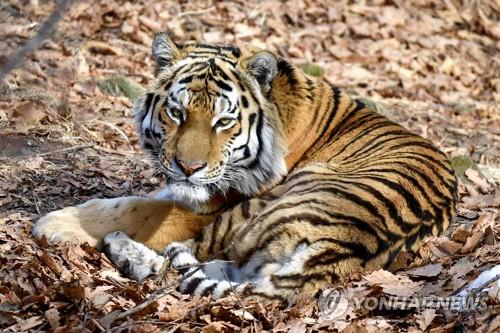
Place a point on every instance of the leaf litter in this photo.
(66, 136)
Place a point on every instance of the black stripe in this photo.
(168, 85)
(153, 107)
(245, 209)
(364, 226)
(215, 225)
(208, 290)
(205, 55)
(244, 101)
(187, 79)
(339, 128)
(363, 133)
(406, 176)
(147, 106)
(419, 158)
(193, 284)
(221, 84)
(228, 230)
(310, 93)
(258, 130)
(335, 187)
(374, 143)
(226, 292)
(331, 113)
(246, 153)
(429, 146)
(296, 280)
(310, 218)
(332, 256)
(229, 48)
(285, 68)
(172, 254)
(187, 269)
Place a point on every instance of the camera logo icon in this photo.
(333, 303)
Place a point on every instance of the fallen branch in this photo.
(33, 43)
(150, 300)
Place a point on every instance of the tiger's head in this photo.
(208, 122)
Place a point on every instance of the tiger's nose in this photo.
(189, 168)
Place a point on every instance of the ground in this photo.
(66, 136)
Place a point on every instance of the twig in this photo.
(484, 285)
(238, 300)
(117, 152)
(43, 33)
(122, 134)
(150, 300)
(98, 325)
(35, 200)
(95, 147)
(65, 150)
(195, 12)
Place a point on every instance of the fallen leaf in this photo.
(215, 327)
(29, 113)
(426, 318)
(461, 234)
(99, 47)
(243, 314)
(474, 176)
(397, 285)
(430, 270)
(450, 246)
(472, 242)
(53, 317)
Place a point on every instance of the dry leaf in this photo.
(426, 318)
(396, 285)
(95, 46)
(426, 271)
(29, 113)
(53, 317)
(472, 242)
(450, 246)
(461, 234)
(474, 176)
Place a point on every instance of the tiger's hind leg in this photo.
(280, 280)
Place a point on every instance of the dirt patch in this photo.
(20, 146)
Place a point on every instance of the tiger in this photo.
(277, 183)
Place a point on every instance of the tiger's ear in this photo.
(264, 67)
(165, 51)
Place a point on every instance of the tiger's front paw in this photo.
(132, 258)
(64, 225)
(88, 222)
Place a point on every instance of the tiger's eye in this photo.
(224, 121)
(176, 113)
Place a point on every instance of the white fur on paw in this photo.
(134, 259)
(174, 247)
(63, 225)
